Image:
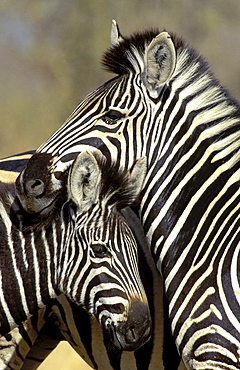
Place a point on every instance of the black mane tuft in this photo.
(124, 58)
(118, 58)
(115, 185)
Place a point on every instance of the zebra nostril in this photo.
(131, 335)
(35, 187)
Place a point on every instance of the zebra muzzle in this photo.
(132, 333)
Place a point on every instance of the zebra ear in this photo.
(137, 176)
(160, 61)
(115, 34)
(84, 181)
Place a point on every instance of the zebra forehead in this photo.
(115, 187)
(124, 57)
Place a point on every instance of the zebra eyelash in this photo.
(112, 116)
(100, 250)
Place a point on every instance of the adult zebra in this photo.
(85, 250)
(166, 105)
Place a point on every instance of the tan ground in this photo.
(64, 358)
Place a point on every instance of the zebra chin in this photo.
(131, 333)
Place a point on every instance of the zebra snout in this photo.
(136, 330)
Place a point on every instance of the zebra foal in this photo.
(27, 345)
(85, 250)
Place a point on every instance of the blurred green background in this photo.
(50, 53)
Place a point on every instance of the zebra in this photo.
(83, 250)
(165, 104)
(27, 345)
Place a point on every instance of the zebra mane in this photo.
(124, 57)
(128, 56)
(120, 58)
(115, 187)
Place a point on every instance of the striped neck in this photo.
(28, 268)
(192, 158)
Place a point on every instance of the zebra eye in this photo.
(112, 116)
(100, 250)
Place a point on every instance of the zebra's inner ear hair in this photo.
(84, 181)
(160, 62)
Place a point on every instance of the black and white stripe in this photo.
(166, 105)
(84, 249)
(27, 345)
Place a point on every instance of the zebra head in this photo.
(106, 279)
(106, 118)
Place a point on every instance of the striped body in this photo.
(85, 250)
(165, 104)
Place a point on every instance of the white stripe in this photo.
(157, 177)
(182, 219)
(205, 216)
(50, 287)
(204, 276)
(11, 247)
(214, 329)
(36, 269)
